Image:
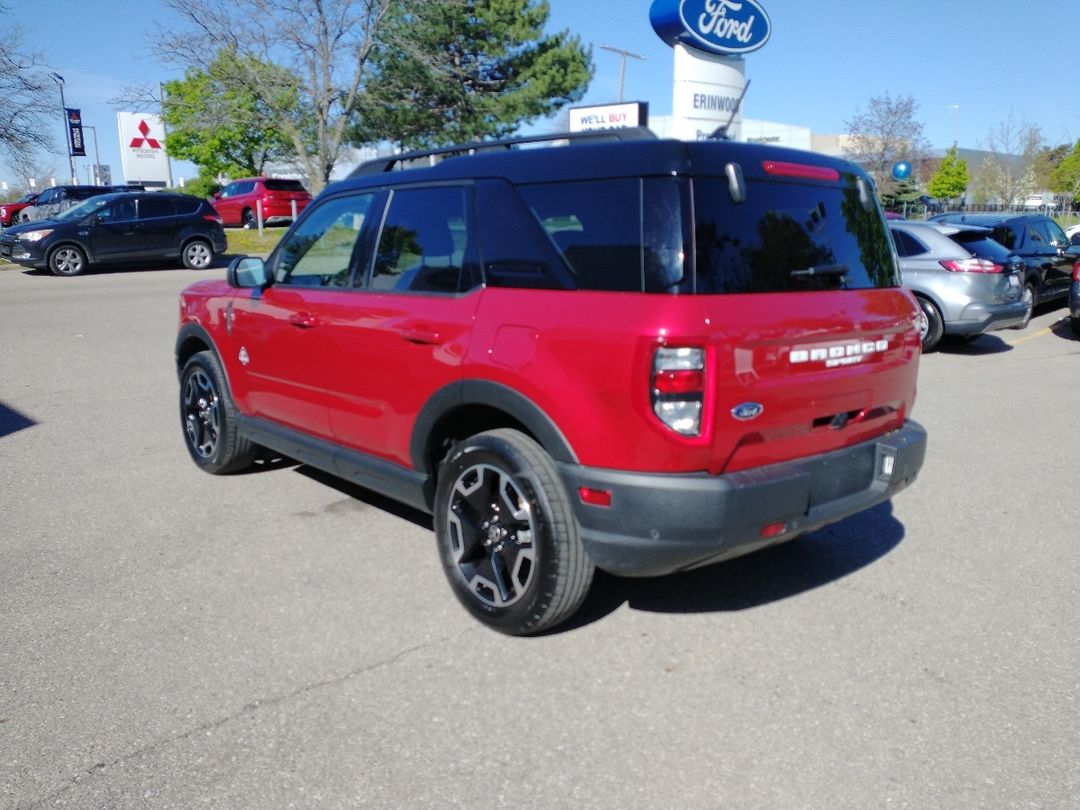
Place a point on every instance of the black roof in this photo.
(584, 159)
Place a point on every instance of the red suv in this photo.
(638, 355)
(278, 200)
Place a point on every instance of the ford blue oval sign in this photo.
(725, 27)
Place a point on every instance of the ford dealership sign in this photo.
(724, 27)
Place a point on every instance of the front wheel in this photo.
(197, 255)
(507, 536)
(67, 260)
(208, 418)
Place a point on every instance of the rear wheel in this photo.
(1075, 326)
(208, 418)
(932, 325)
(507, 535)
(1028, 297)
(197, 254)
(248, 218)
(67, 260)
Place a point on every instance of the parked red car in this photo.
(9, 212)
(240, 201)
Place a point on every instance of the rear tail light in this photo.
(678, 388)
(1076, 272)
(972, 265)
(215, 217)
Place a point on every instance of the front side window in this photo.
(323, 250)
(425, 243)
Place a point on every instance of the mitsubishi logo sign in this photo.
(151, 143)
(142, 153)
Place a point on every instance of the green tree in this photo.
(1065, 177)
(318, 51)
(455, 71)
(1007, 175)
(218, 123)
(951, 179)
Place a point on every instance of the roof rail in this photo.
(401, 161)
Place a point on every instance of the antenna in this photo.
(720, 133)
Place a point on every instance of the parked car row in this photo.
(118, 228)
(975, 273)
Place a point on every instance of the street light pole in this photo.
(97, 160)
(56, 77)
(622, 63)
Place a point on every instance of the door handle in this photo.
(303, 320)
(421, 334)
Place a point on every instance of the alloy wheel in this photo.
(202, 413)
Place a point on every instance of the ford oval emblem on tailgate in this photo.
(746, 411)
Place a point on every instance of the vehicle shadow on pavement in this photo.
(11, 421)
(757, 579)
(982, 345)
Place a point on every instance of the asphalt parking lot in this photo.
(169, 639)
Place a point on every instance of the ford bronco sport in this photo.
(626, 353)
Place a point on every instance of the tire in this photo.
(67, 260)
(933, 326)
(208, 418)
(1075, 323)
(507, 536)
(1029, 296)
(197, 254)
(248, 219)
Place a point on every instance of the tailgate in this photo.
(829, 370)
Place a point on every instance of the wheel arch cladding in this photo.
(473, 406)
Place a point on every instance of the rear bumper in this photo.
(659, 523)
(979, 318)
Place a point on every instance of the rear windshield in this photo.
(788, 237)
(981, 245)
(283, 185)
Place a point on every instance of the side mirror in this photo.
(217, 195)
(248, 272)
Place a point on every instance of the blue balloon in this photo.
(901, 170)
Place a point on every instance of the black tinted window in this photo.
(187, 205)
(154, 207)
(981, 245)
(1004, 235)
(283, 185)
(788, 236)
(618, 235)
(425, 242)
(906, 244)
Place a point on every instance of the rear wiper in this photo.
(823, 270)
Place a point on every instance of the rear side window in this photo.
(907, 245)
(154, 207)
(788, 237)
(1004, 235)
(622, 235)
(187, 205)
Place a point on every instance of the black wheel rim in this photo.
(491, 534)
(202, 414)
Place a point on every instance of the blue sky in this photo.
(969, 64)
